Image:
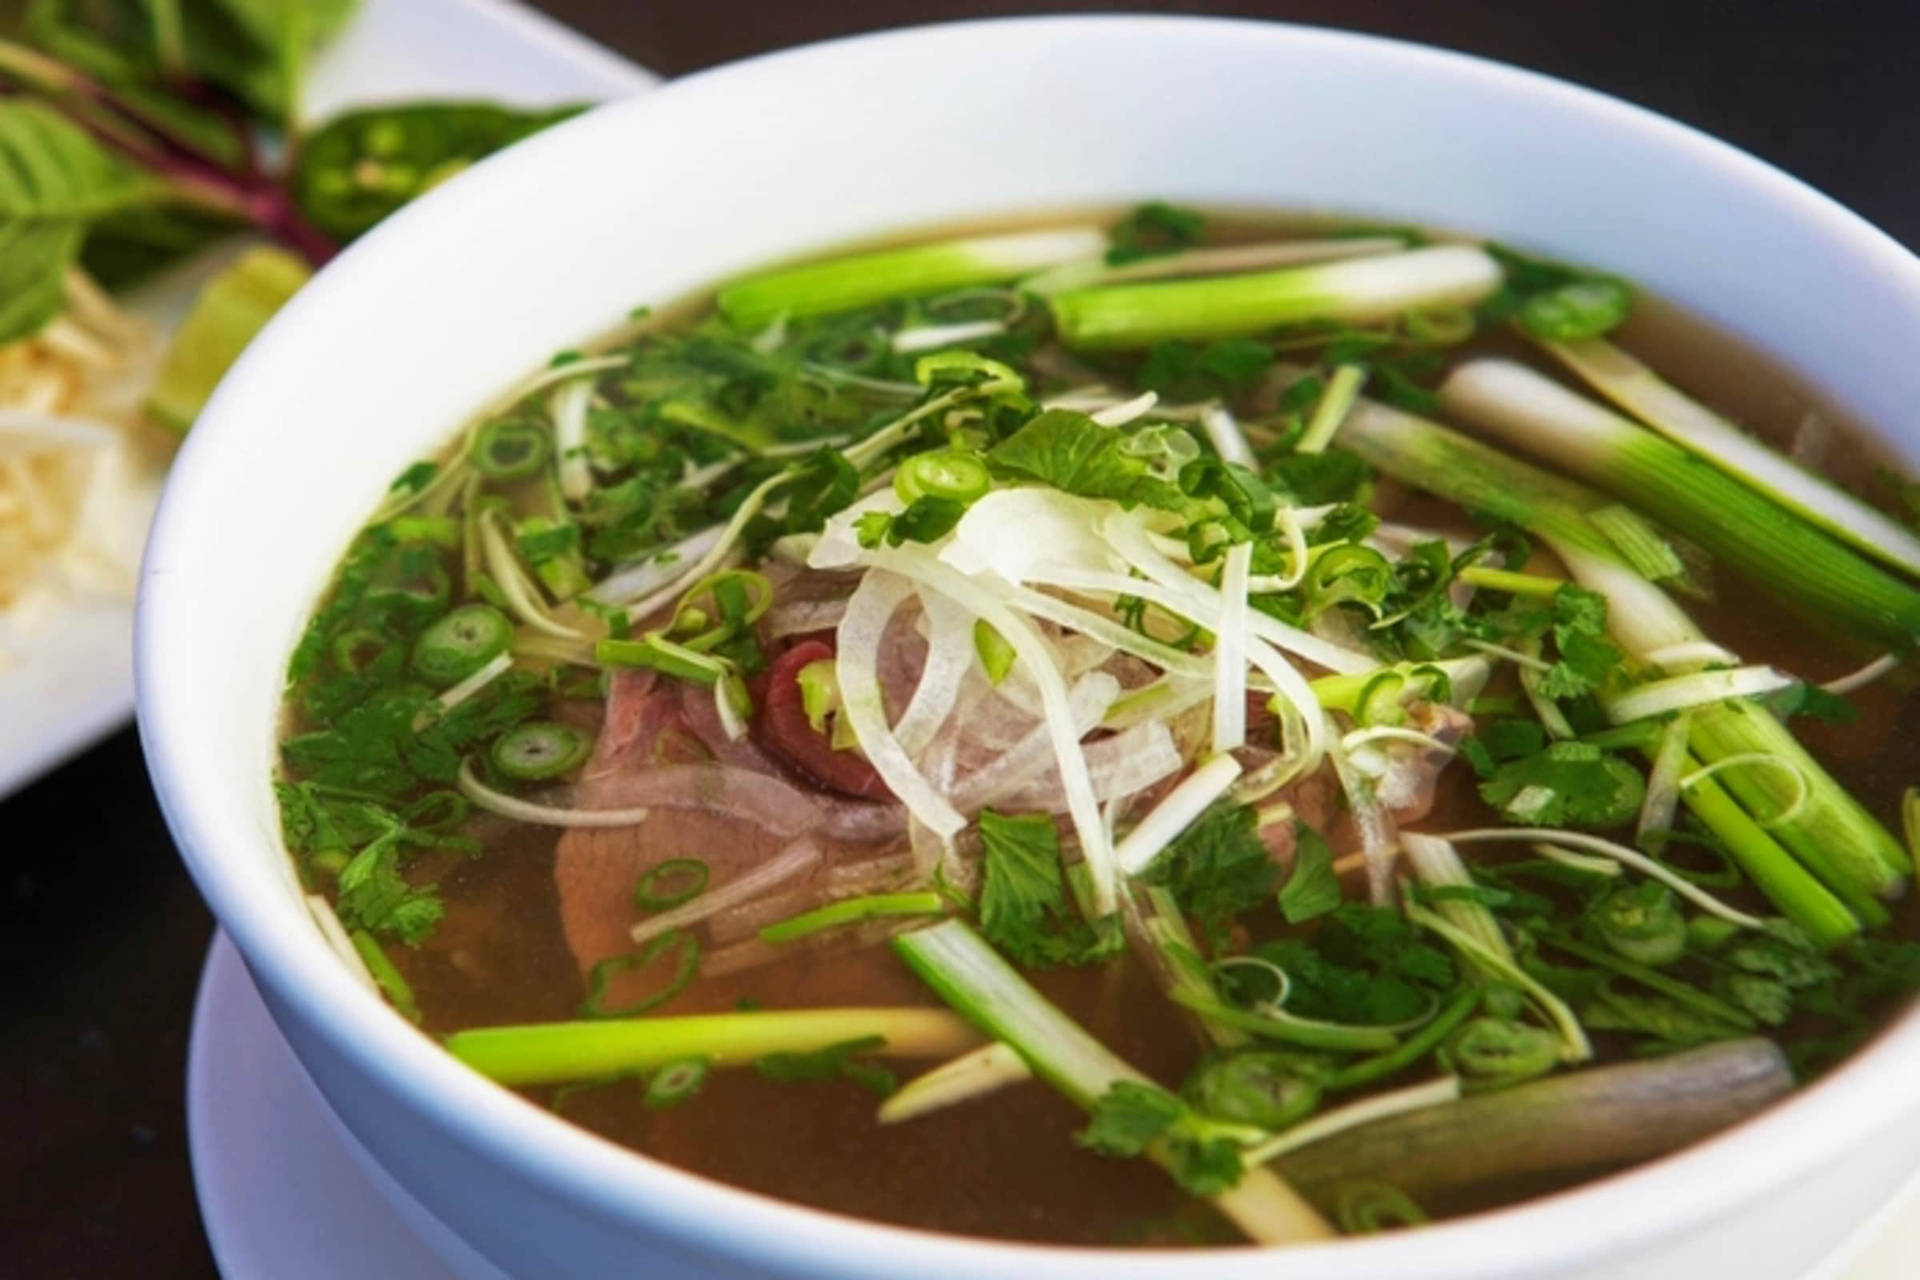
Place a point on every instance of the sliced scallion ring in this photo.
(359, 648)
(670, 883)
(460, 643)
(510, 450)
(677, 1081)
(540, 749)
(942, 473)
(685, 965)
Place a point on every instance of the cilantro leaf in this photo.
(374, 895)
(1152, 229)
(1567, 784)
(1218, 867)
(1315, 479)
(1072, 452)
(1186, 371)
(1313, 889)
(1364, 965)
(1129, 1116)
(1024, 907)
(1587, 659)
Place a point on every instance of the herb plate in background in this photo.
(68, 678)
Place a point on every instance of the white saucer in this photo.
(284, 1193)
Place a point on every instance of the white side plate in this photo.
(69, 678)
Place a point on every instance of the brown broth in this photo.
(1007, 1165)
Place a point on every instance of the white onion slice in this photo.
(657, 570)
(1087, 702)
(1230, 652)
(1121, 766)
(625, 799)
(1174, 814)
(1223, 432)
(949, 655)
(1126, 411)
(1663, 780)
(1676, 693)
(856, 668)
(569, 409)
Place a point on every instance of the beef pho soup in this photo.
(1157, 730)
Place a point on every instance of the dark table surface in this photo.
(101, 934)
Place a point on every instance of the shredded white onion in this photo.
(931, 337)
(1230, 652)
(569, 410)
(1224, 434)
(1120, 766)
(1379, 841)
(1801, 789)
(1866, 675)
(962, 1079)
(657, 570)
(1688, 653)
(1618, 852)
(1087, 702)
(1126, 411)
(1378, 1107)
(856, 668)
(1676, 693)
(522, 594)
(1174, 814)
(797, 857)
(1663, 780)
(949, 656)
(1592, 864)
(494, 668)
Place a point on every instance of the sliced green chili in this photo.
(540, 749)
(358, 649)
(510, 450)
(686, 964)
(942, 473)
(669, 884)
(1503, 1051)
(1642, 923)
(460, 643)
(674, 1083)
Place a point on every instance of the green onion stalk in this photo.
(1825, 865)
(1637, 390)
(969, 975)
(1354, 290)
(560, 1052)
(1750, 529)
(863, 279)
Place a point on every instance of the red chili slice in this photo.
(782, 728)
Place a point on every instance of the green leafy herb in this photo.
(1218, 867)
(1189, 371)
(1567, 784)
(1072, 452)
(1313, 889)
(1025, 909)
(1131, 1115)
(839, 1061)
(1154, 228)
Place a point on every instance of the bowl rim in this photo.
(1657, 1200)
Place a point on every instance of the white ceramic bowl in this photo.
(410, 331)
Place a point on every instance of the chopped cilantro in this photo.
(1024, 905)
(1188, 371)
(1152, 229)
(1218, 867)
(1072, 452)
(1132, 1115)
(1313, 889)
(1567, 784)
